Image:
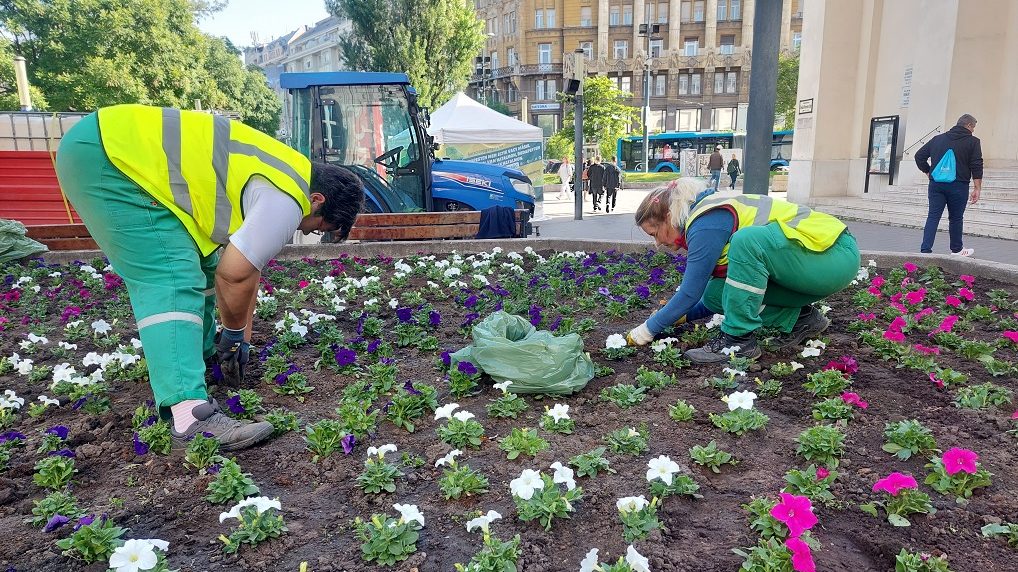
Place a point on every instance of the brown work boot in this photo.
(232, 434)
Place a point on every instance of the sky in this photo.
(270, 18)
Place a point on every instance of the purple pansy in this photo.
(604, 291)
(469, 319)
(373, 346)
(55, 522)
(84, 521)
(446, 358)
(140, 447)
(466, 368)
(404, 315)
(555, 325)
(471, 301)
(236, 407)
(217, 372)
(643, 291)
(60, 431)
(62, 453)
(345, 357)
(409, 388)
(535, 315)
(281, 378)
(434, 318)
(12, 436)
(348, 443)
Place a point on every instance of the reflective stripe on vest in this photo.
(815, 230)
(197, 165)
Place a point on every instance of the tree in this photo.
(86, 54)
(788, 86)
(499, 107)
(9, 100)
(433, 41)
(606, 115)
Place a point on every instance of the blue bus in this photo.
(665, 147)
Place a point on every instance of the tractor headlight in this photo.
(523, 187)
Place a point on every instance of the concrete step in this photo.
(978, 223)
(988, 194)
(985, 204)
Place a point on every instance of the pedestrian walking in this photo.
(585, 177)
(951, 160)
(565, 173)
(734, 170)
(595, 174)
(612, 183)
(714, 164)
(163, 191)
(759, 261)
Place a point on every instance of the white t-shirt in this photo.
(270, 219)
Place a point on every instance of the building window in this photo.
(719, 82)
(540, 90)
(621, 49)
(683, 84)
(627, 15)
(722, 10)
(512, 22)
(585, 20)
(735, 9)
(692, 46)
(588, 50)
(494, 26)
(727, 45)
(732, 82)
(548, 123)
(494, 60)
(694, 84)
(723, 119)
(626, 84)
(549, 18)
(539, 19)
(662, 12)
(505, 23)
(698, 10)
(686, 11)
(649, 9)
(687, 120)
(656, 120)
(326, 57)
(545, 89)
(796, 40)
(656, 47)
(613, 16)
(660, 85)
(511, 57)
(544, 53)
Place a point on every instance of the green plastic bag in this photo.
(509, 348)
(14, 245)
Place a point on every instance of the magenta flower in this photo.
(1011, 335)
(796, 512)
(875, 291)
(926, 350)
(967, 279)
(822, 473)
(897, 296)
(947, 324)
(916, 297)
(966, 294)
(909, 267)
(893, 483)
(952, 301)
(802, 558)
(877, 281)
(854, 399)
(303, 284)
(960, 460)
(936, 380)
(845, 364)
(923, 313)
(1015, 414)
(894, 336)
(898, 324)
(867, 317)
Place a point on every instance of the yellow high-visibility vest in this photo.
(197, 164)
(815, 230)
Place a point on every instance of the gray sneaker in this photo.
(231, 433)
(811, 323)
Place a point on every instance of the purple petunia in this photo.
(446, 358)
(281, 378)
(77, 404)
(236, 407)
(12, 436)
(404, 315)
(471, 301)
(348, 443)
(466, 367)
(55, 522)
(140, 447)
(60, 431)
(345, 357)
(213, 469)
(217, 373)
(535, 315)
(434, 318)
(63, 453)
(84, 521)
(555, 325)
(373, 346)
(469, 319)
(409, 388)
(604, 291)
(643, 291)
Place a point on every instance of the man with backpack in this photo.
(950, 160)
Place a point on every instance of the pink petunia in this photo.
(967, 279)
(1011, 335)
(802, 557)
(867, 317)
(897, 324)
(966, 294)
(952, 301)
(896, 297)
(926, 350)
(923, 313)
(893, 483)
(796, 512)
(936, 380)
(877, 281)
(915, 297)
(947, 324)
(846, 364)
(894, 336)
(909, 267)
(960, 460)
(854, 399)
(1015, 414)
(303, 284)
(875, 291)
(823, 473)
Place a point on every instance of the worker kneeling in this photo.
(759, 261)
(162, 191)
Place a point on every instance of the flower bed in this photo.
(893, 441)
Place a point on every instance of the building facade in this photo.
(699, 60)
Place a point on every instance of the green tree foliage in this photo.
(8, 83)
(561, 144)
(86, 54)
(606, 115)
(433, 41)
(788, 85)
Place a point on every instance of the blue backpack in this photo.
(944, 172)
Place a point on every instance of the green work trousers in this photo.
(171, 285)
(770, 278)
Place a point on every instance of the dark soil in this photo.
(163, 499)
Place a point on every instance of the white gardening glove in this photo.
(640, 335)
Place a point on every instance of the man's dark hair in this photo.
(344, 196)
(966, 120)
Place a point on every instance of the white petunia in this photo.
(445, 411)
(590, 562)
(663, 344)
(409, 512)
(463, 416)
(299, 329)
(630, 504)
(484, 521)
(449, 458)
(63, 372)
(504, 386)
(741, 400)
(135, 555)
(101, 327)
(10, 400)
(615, 341)
(810, 352)
(637, 561)
(262, 504)
(47, 401)
(381, 451)
(662, 468)
(715, 321)
(34, 339)
(393, 303)
(67, 346)
(796, 366)
(863, 274)
(734, 372)
(559, 412)
(872, 263)
(25, 367)
(563, 475)
(730, 351)
(524, 485)
(72, 324)
(816, 344)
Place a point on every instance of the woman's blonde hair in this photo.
(670, 202)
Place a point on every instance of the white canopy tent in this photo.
(464, 120)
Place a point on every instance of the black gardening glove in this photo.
(233, 353)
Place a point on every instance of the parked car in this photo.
(551, 166)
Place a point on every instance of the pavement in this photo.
(559, 223)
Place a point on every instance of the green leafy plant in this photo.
(231, 484)
(822, 443)
(157, 437)
(461, 432)
(244, 404)
(711, 456)
(592, 462)
(740, 421)
(982, 396)
(522, 442)
(1009, 530)
(639, 517)
(651, 379)
(603, 371)
(507, 405)
(671, 356)
(624, 395)
(387, 540)
(94, 541)
(907, 438)
(295, 384)
(324, 437)
(961, 484)
(378, 475)
(54, 472)
(907, 561)
(834, 408)
(201, 452)
(784, 369)
(358, 417)
(814, 483)
(282, 421)
(769, 388)
(681, 411)
(906, 502)
(826, 383)
(57, 502)
(548, 503)
(258, 523)
(557, 420)
(628, 440)
(463, 378)
(410, 403)
(461, 480)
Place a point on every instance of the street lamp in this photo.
(649, 31)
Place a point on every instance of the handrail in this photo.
(909, 148)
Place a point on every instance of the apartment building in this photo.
(699, 60)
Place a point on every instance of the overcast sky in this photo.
(269, 18)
